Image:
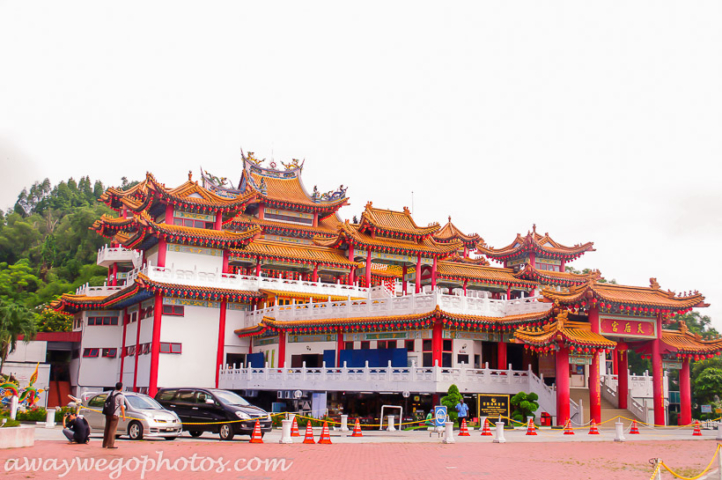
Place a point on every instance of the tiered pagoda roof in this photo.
(142, 231)
(327, 227)
(388, 231)
(398, 322)
(450, 233)
(188, 196)
(566, 279)
(481, 274)
(684, 343)
(298, 254)
(542, 245)
(284, 188)
(625, 299)
(577, 336)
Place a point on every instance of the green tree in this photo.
(452, 398)
(15, 320)
(525, 404)
(50, 321)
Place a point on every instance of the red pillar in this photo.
(562, 380)
(281, 349)
(615, 363)
(122, 348)
(219, 221)
(315, 219)
(258, 267)
(162, 248)
(595, 389)
(368, 268)
(155, 345)
(437, 342)
(314, 276)
(433, 275)
(501, 355)
(260, 211)
(508, 292)
(623, 377)
(532, 259)
(418, 274)
(220, 352)
(403, 279)
(466, 252)
(685, 394)
(115, 275)
(339, 347)
(561, 267)
(466, 284)
(658, 376)
(168, 214)
(137, 346)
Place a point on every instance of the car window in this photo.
(143, 403)
(166, 395)
(98, 400)
(186, 396)
(201, 397)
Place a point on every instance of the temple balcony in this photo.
(392, 379)
(102, 291)
(107, 256)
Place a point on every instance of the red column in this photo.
(433, 275)
(314, 276)
(220, 352)
(368, 268)
(155, 345)
(403, 279)
(418, 274)
(501, 355)
(623, 377)
(658, 376)
(339, 347)
(466, 284)
(315, 219)
(466, 252)
(561, 267)
(685, 394)
(615, 363)
(281, 349)
(260, 211)
(226, 256)
(595, 389)
(258, 267)
(562, 380)
(437, 342)
(219, 221)
(532, 259)
(168, 214)
(508, 292)
(115, 275)
(162, 248)
(122, 348)
(137, 346)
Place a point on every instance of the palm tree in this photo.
(15, 320)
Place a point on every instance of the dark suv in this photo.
(205, 410)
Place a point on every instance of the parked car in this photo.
(205, 410)
(144, 417)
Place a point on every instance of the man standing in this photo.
(463, 410)
(113, 408)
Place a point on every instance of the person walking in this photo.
(463, 411)
(113, 409)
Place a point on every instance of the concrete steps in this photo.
(609, 411)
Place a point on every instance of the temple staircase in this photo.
(609, 411)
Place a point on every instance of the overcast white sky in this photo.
(598, 121)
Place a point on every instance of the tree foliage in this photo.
(525, 404)
(450, 400)
(15, 320)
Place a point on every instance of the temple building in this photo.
(262, 287)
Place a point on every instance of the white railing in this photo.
(388, 379)
(108, 255)
(103, 291)
(576, 412)
(640, 389)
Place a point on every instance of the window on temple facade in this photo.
(176, 310)
(91, 352)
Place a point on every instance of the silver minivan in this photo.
(144, 417)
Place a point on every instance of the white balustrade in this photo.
(109, 255)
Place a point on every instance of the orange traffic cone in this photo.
(530, 430)
(325, 436)
(568, 430)
(634, 430)
(486, 431)
(309, 434)
(357, 430)
(464, 431)
(256, 436)
(697, 431)
(294, 428)
(593, 429)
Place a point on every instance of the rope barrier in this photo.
(703, 472)
(192, 423)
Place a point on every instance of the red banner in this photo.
(622, 327)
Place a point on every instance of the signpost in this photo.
(493, 405)
(440, 415)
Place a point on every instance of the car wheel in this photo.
(135, 431)
(226, 432)
(195, 433)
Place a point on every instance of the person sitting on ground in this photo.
(76, 428)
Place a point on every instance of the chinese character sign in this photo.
(623, 327)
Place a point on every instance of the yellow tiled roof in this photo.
(269, 249)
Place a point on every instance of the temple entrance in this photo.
(489, 354)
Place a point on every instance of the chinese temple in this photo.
(263, 287)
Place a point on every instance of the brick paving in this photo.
(602, 459)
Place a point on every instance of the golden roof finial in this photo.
(533, 228)
(369, 204)
(190, 175)
(653, 283)
(449, 218)
(407, 211)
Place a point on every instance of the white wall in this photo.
(100, 371)
(197, 331)
(233, 343)
(203, 262)
(34, 352)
